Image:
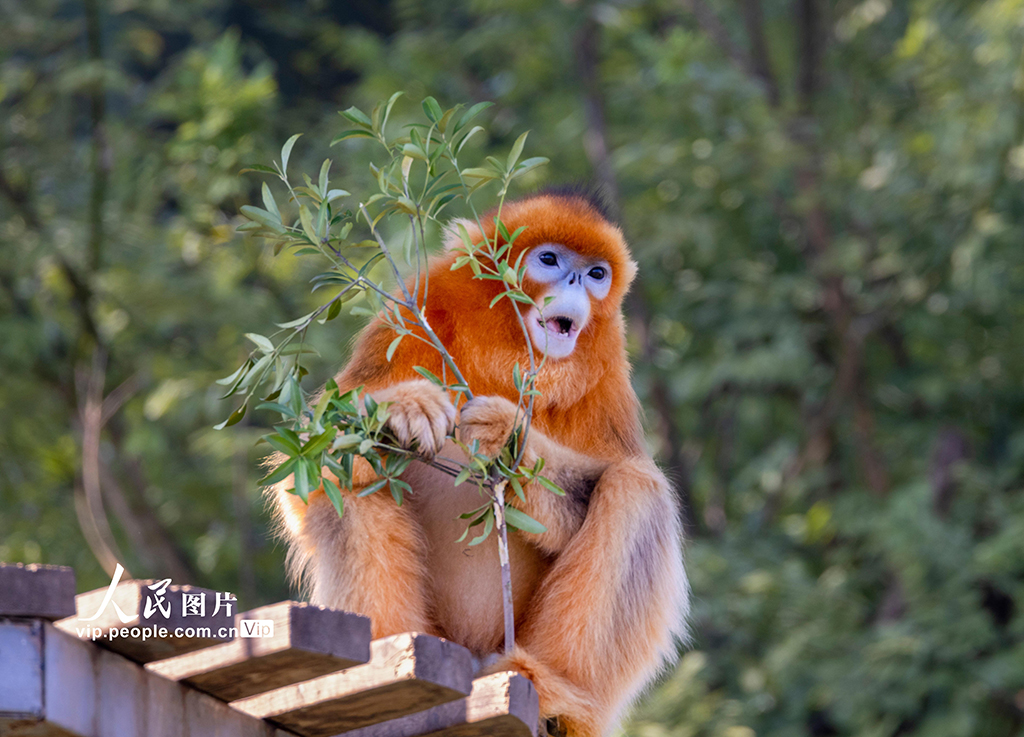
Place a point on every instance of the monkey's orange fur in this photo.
(601, 595)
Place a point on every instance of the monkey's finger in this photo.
(399, 424)
(414, 427)
(442, 419)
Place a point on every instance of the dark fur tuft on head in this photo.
(591, 193)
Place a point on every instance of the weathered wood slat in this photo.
(307, 641)
(55, 684)
(161, 641)
(407, 673)
(500, 705)
(47, 592)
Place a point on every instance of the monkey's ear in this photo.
(631, 269)
(453, 237)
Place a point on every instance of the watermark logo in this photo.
(159, 601)
(125, 619)
(256, 627)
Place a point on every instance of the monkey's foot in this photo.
(572, 711)
(420, 414)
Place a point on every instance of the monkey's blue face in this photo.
(571, 283)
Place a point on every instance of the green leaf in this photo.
(334, 494)
(319, 442)
(517, 150)
(473, 112)
(261, 342)
(529, 165)
(442, 124)
(227, 380)
(324, 168)
(414, 152)
(295, 395)
(479, 173)
(270, 203)
(473, 131)
(276, 407)
(294, 349)
(286, 152)
(397, 489)
(432, 378)
(294, 323)
(332, 196)
(260, 168)
(321, 221)
(263, 217)
(387, 109)
(280, 473)
(234, 419)
(517, 488)
(357, 116)
(334, 310)
(522, 521)
(351, 134)
(551, 486)
(307, 223)
(302, 480)
(279, 442)
(375, 486)
(392, 348)
(432, 109)
(488, 526)
(512, 239)
(347, 441)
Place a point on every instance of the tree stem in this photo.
(506, 569)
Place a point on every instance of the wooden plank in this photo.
(90, 692)
(21, 675)
(305, 641)
(407, 673)
(500, 705)
(47, 592)
(149, 635)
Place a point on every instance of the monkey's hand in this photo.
(490, 420)
(420, 414)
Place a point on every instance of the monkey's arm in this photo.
(490, 420)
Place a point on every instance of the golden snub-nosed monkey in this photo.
(601, 595)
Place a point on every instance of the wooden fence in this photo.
(64, 671)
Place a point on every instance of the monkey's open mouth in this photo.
(560, 326)
(556, 335)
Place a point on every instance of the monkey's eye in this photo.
(597, 273)
(549, 259)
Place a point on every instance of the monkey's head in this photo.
(578, 267)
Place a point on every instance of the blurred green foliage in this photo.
(824, 197)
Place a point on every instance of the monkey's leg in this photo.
(370, 561)
(604, 618)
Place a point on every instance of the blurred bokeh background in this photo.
(825, 199)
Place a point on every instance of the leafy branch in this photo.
(417, 178)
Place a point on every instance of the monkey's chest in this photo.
(464, 581)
